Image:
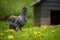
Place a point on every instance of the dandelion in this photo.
(24, 35)
(45, 27)
(9, 30)
(54, 30)
(1, 34)
(58, 25)
(35, 32)
(41, 34)
(42, 26)
(10, 36)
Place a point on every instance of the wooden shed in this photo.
(46, 12)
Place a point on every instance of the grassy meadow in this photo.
(28, 32)
(31, 33)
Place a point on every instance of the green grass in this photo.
(29, 32)
(3, 25)
(29, 23)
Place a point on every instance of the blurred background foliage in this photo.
(13, 7)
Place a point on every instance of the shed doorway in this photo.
(55, 17)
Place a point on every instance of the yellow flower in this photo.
(39, 35)
(10, 36)
(58, 25)
(45, 27)
(35, 32)
(9, 30)
(1, 34)
(42, 26)
(54, 30)
(24, 35)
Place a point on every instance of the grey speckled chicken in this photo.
(17, 22)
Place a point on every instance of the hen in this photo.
(17, 22)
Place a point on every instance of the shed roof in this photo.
(37, 1)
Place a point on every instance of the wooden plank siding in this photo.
(45, 17)
(51, 4)
(46, 7)
(37, 15)
(42, 11)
